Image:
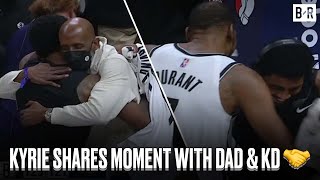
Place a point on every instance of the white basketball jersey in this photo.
(191, 83)
(159, 132)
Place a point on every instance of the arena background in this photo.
(270, 20)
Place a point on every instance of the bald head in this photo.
(77, 27)
(76, 34)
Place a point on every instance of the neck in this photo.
(64, 14)
(206, 44)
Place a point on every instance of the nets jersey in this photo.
(191, 83)
(159, 132)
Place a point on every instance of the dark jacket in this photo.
(46, 134)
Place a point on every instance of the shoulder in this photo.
(108, 56)
(156, 48)
(113, 65)
(242, 74)
(245, 82)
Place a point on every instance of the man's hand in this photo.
(33, 114)
(44, 74)
(131, 47)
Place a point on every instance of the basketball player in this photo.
(205, 87)
(286, 67)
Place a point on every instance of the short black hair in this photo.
(44, 34)
(210, 14)
(289, 58)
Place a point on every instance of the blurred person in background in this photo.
(19, 44)
(111, 20)
(14, 15)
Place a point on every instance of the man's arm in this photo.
(253, 97)
(9, 84)
(135, 115)
(41, 73)
(108, 97)
(27, 58)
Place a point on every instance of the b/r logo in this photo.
(304, 13)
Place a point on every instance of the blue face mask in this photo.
(78, 60)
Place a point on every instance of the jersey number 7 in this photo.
(173, 103)
(177, 137)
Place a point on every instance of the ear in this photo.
(231, 38)
(71, 14)
(233, 30)
(95, 44)
(230, 32)
(187, 34)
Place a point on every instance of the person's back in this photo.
(220, 86)
(49, 96)
(191, 83)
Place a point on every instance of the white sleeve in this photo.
(8, 87)
(107, 99)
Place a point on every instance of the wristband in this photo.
(25, 78)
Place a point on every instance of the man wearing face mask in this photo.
(45, 134)
(286, 67)
(74, 89)
(116, 94)
(117, 86)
